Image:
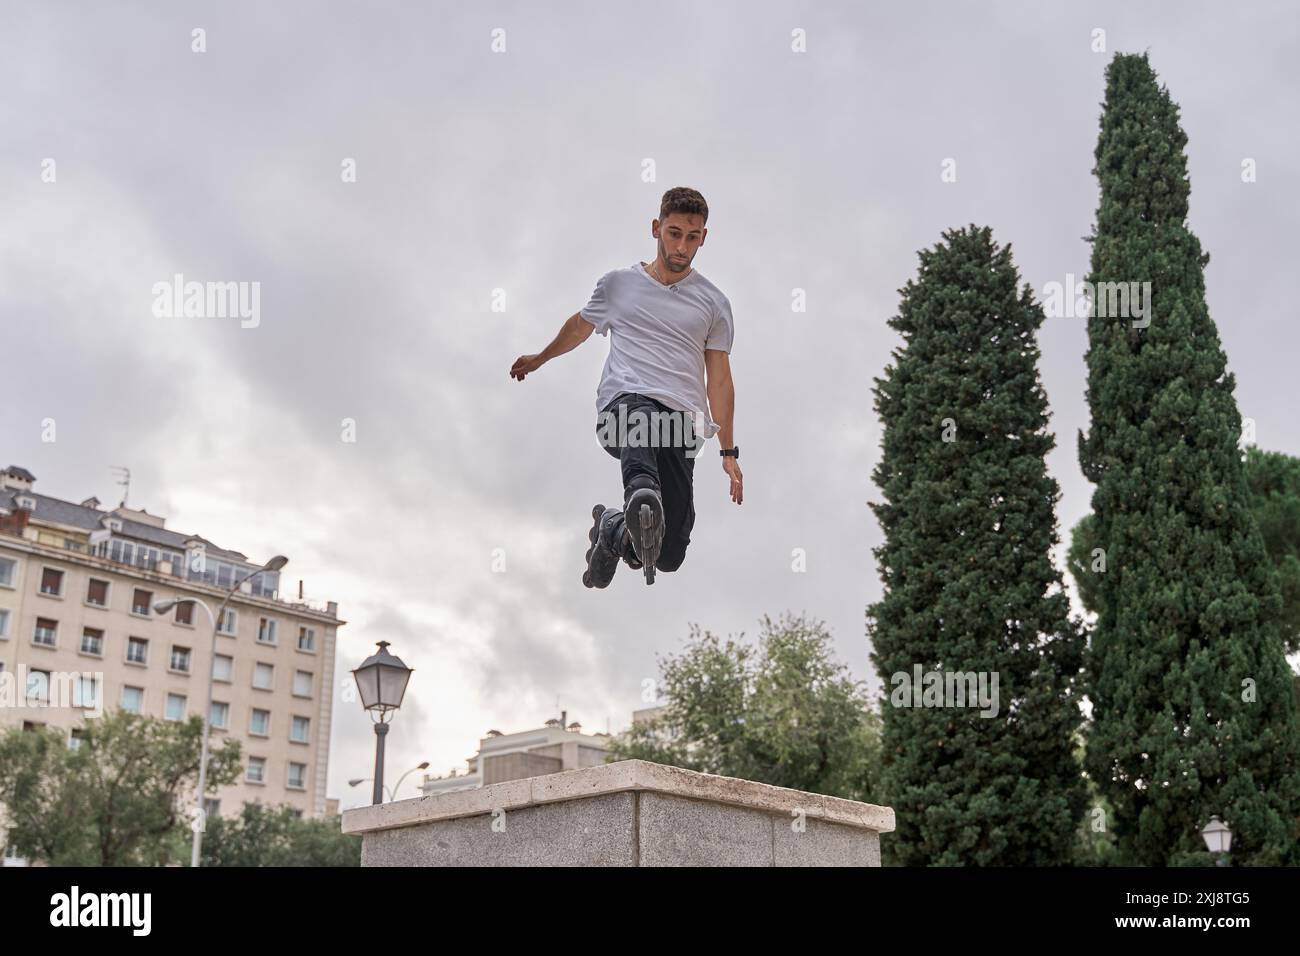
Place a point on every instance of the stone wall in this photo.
(630, 813)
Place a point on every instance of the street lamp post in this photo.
(1218, 839)
(162, 607)
(419, 766)
(392, 794)
(381, 680)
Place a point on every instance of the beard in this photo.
(674, 266)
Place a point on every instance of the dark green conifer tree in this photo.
(969, 523)
(1193, 713)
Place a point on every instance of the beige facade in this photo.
(77, 585)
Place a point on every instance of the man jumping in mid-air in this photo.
(671, 326)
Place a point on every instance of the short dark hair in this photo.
(683, 199)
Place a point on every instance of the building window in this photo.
(219, 715)
(141, 602)
(75, 738)
(211, 807)
(260, 726)
(266, 631)
(85, 692)
(297, 776)
(266, 584)
(38, 688)
(263, 676)
(92, 642)
(121, 551)
(133, 699)
(8, 571)
(301, 730)
(185, 612)
(222, 668)
(302, 684)
(180, 659)
(175, 707)
(143, 556)
(306, 639)
(229, 621)
(52, 581)
(256, 769)
(97, 593)
(4, 622)
(47, 632)
(137, 650)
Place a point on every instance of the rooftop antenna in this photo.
(123, 475)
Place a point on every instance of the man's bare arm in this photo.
(722, 407)
(573, 333)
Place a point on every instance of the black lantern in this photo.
(381, 680)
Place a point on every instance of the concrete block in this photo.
(629, 813)
(676, 831)
(596, 831)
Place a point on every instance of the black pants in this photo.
(666, 463)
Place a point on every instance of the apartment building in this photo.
(527, 753)
(77, 589)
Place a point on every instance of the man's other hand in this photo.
(732, 467)
(525, 364)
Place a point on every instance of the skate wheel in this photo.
(648, 543)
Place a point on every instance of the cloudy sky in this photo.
(523, 170)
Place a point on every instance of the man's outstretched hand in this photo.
(525, 364)
(732, 467)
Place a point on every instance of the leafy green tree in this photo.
(1193, 710)
(116, 799)
(277, 836)
(783, 713)
(969, 584)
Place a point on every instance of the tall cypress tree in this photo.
(1193, 713)
(968, 516)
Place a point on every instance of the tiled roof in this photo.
(58, 511)
(53, 509)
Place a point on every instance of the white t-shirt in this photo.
(660, 334)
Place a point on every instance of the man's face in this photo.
(680, 237)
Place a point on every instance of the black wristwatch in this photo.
(730, 452)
